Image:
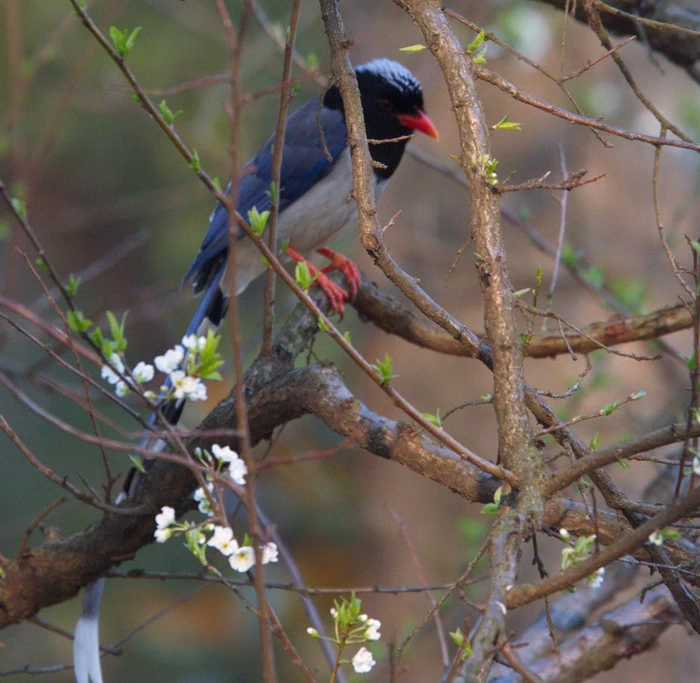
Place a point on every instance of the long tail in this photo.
(86, 645)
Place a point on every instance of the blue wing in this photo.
(304, 163)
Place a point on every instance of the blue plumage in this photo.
(304, 163)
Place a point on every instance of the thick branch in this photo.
(388, 314)
(619, 634)
(680, 47)
(277, 394)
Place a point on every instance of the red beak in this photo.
(419, 121)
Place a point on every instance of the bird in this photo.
(315, 206)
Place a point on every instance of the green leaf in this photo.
(258, 220)
(497, 495)
(209, 358)
(41, 262)
(481, 57)
(168, 115)
(20, 206)
(346, 336)
(131, 40)
(272, 192)
(97, 339)
(624, 464)
(384, 369)
(413, 48)
(594, 275)
(137, 463)
(217, 184)
(73, 284)
(312, 61)
(303, 276)
(505, 124)
(195, 164)
(116, 329)
(492, 508)
(107, 347)
(123, 41)
(569, 257)
(117, 38)
(77, 321)
(434, 419)
(522, 292)
(323, 325)
(638, 395)
(610, 408)
(595, 441)
(538, 277)
(4, 229)
(476, 43)
(489, 509)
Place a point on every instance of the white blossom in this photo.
(143, 372)
(223, 540)
(186, 386)
(595, 580)
(270, 553)
(224, 454)
(122, 389)
(363, 661)
(111, 372)
(372, 632)
(170, 360)
(202, 500)
(696, 464)
(199, 393)
(236, 466)
(165, 517)
(312, 632)
(656, 537)
(194, 343)
(162, 535)
(242, 559)
(334, 612)
(237, 470)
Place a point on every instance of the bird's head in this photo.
(392, 101)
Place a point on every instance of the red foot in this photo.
(345, 266)
(337, 296)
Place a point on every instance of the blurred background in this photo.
(110, 198)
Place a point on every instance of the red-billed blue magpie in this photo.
(315, 206)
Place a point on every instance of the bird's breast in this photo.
(324, 211)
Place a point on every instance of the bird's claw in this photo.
(347, 267)
(337, 296)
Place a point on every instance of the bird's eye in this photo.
(385, 104)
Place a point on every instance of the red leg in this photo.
(345, 266)
(335, 293)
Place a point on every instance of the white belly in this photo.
(311, 221)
